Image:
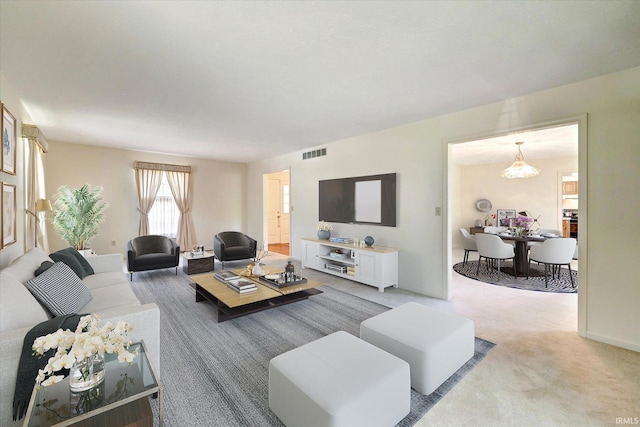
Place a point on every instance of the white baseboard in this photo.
(613, 341)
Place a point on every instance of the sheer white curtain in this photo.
(147, 184)
(179, 184)
(35, 188)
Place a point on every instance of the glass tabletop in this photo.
(123, 383)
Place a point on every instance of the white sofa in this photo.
(112, 298)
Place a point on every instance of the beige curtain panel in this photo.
(148, 179)
(147, 183)
(35, 190)
(179, 184)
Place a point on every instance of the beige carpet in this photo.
(541, 373)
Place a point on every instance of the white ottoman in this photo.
(339, 380)
(435, 344)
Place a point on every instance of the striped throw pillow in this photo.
(60, 290)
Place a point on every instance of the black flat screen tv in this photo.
(359, 200)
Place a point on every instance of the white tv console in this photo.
(376, 265)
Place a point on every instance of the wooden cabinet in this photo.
(569, 229)
(570, 187)
(573, 230)
(474, 230)
(310, 257)
(376, 266)
(197, 264)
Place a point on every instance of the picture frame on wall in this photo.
(8, 201)
(503, 215)
(8, 142)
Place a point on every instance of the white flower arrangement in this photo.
(323, 226)
(74, 346)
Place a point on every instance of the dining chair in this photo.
(554, 253)
(492, 249)
(545, 232)
(468, 243)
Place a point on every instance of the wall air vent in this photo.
(314, 153)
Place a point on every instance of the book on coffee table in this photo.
(241, 285)
(226, 275)
(242, 291)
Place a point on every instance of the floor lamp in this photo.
(42, 205)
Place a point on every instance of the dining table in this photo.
(521, 260)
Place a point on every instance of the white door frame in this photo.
(447, 245)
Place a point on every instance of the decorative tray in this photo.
(274, 282)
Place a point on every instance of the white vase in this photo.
(257, 270)
(87, 373)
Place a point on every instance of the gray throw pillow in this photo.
(60, 290)
(64, 255)
(82, 260)
(43, 267)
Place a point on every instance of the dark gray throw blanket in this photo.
(30, 364)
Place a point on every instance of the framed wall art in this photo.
(8, 201)
(8, 142)
(503, 215)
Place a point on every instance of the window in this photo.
(164, 214)
(285, 198)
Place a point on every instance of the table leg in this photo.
(521, 261)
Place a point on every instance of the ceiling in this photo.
(240, 81)
(553, 142)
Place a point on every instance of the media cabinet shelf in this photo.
(375, 266)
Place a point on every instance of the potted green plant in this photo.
(78, 213)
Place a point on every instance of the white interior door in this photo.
(274, 212)
(285, 220)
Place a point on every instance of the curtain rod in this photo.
(161, 166)
(33, 133)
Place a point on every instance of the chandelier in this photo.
(520, 168)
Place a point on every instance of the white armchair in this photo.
(468, 243)
(492, 248)
(554, 253)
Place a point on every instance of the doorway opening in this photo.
(277, 212)
(469, 184)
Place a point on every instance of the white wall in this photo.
(541, 196)
(219, 191)
(415, 151)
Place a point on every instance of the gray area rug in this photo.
(216, 374)
(535, 282)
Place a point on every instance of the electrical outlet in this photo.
(438, 211)
(113, 243)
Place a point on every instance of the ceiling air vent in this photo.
(314, 153)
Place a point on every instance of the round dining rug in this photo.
(535, 282)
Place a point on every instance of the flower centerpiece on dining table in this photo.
(82, 352)
(519, 224)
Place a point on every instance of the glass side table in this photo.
(124, 384)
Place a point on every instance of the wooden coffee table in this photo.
(231, 304)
